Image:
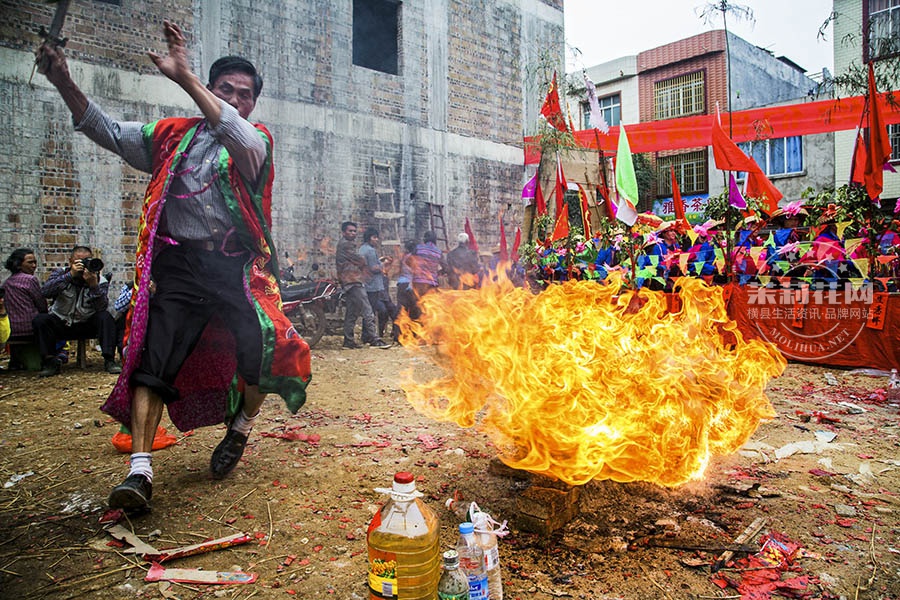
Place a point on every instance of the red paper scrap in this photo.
(428, 441)
(203, 547)
(158, 573)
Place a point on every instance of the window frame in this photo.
(893, 12)
(749, 148)
(688, 186)
(605, 111)
(698, 102)
(894, 137)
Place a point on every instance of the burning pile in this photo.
(582, 382)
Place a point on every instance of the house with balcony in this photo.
(690, 77)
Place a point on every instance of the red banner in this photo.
(807, 118)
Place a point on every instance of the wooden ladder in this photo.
(436, 223)
(387, 209)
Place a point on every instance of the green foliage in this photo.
(552, 139)
(854, 80)
(718, 208)
(645, 175)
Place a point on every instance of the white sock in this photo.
(141, 465)
(242, 423)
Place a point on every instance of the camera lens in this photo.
(94, 265)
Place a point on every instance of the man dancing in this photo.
(211, 340)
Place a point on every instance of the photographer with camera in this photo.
(80, 300)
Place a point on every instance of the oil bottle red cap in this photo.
(404, 477)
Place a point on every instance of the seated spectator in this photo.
(23, 300)
(79, 310)
(4, 320)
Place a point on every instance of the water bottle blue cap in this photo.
(466, 527)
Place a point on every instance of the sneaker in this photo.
(51, 367)
(379, 343)
(112, 367)
(351, 345)
(133, 494)
(227, 454)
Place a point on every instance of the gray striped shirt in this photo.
(195, 208)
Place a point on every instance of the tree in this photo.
(724, 8)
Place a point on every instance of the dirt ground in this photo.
(312, 497)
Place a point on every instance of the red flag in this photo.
(551, 110)
(585, 211)
(516, 243)
(681, 222)
(561, 229)
(860, 158)
(473, 245)
(504, 250)
(561, 186)
(729, 157)
(677, 202)
(540, 205)
(879, 150)
(759, 186)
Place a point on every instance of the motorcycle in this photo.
(306, 300)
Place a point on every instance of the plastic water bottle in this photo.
(471, 561)
(403, 542)
(453, 585)
(487, 539)
(894, 382)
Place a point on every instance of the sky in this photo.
(604, 30)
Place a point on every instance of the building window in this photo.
(376, 35)
(779, 156)
(680, 96)
(883, 25)
(610, 108)
(690, 171)
(894, 136)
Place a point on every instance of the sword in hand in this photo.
(52, 37)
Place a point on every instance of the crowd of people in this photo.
(364, 274)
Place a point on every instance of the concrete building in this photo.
(411, 104)
(882, 19)
(616, 82)
(690, 77)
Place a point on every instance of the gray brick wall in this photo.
(451, 122)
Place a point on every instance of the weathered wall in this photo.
(451, 123)
(760, 79)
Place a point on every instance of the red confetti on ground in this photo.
(428, 441)
(845, 522)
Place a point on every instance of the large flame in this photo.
(581, 383)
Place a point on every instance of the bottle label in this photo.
(383, 574)
(478, 587)
(491, 558)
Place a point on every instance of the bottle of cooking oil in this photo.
(404, 545)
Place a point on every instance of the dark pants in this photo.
(120, 332)
(358, 305)
(384, 308)
(193, 286)
(406, 298)
(50, 329)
